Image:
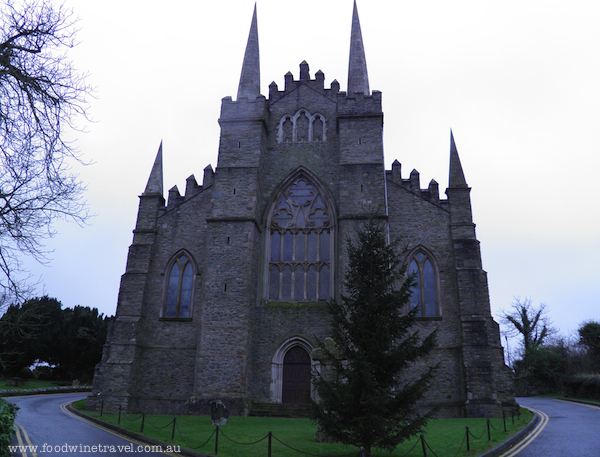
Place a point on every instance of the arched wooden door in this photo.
(296, 376)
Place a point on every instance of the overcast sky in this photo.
(518, 82)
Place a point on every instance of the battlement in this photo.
(317, 84)
(413, 183)
(192, 188)
(245, 108)
(359, 104)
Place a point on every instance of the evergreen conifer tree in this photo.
(364, 396)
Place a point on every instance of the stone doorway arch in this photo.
(291, 371)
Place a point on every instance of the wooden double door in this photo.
(296, 376)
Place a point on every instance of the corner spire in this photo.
(358, 79)
(155, 181)
(250, 77)
(457, 177)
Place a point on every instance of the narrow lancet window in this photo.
(180, 281)
(424, 292)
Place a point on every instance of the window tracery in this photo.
(299, 244)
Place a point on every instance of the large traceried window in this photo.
(424, 292)
(180, 281)
(300, 244)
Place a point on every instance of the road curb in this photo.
(521, 435)
(580, 402)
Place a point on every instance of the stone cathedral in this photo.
(225, 286)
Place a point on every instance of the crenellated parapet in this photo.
(317, 84)
(192, 188)
(359, 104)
(413, 184)
(243, 109)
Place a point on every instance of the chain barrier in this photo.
(307, 453)
(197, 447)
(243, 444)
(162, 426)
(492, 425)
(461, 445)
(361, 453)
(477, 437)
(428, 447)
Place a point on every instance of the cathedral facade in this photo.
(225, 290)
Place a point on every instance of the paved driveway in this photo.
(569, 430)
(47, 429)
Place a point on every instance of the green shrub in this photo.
(7, 419)
(583, 386)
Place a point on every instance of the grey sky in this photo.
(517, 81)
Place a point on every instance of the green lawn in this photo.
(443, 436)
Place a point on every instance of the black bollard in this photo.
(269, 448)
(468, 444)
(217, 441)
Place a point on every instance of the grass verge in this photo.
(444, 436)
(580, 399)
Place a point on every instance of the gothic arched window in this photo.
(302, 127)
(299, 244)
(424, 292)
(180, 281)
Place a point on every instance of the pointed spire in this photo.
(250, 77)
(457, 177)
(358, 79)
(155, 181)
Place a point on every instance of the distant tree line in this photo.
(545, 360)
(63, 343)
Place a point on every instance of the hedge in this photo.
(582, 386)
(7, 420)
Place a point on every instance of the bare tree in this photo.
(41, 98)
(532, 324)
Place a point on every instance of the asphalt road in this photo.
(52, 430)
(566, 430)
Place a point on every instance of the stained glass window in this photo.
(424, 291)
(299, 245)
(179, 289)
